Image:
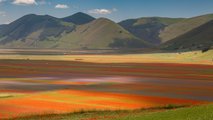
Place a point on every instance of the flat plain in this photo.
(45, 84)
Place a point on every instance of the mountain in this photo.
(180, 28)
(79, 18)
(2, 26)
(29, 29)
(148, 28)
(81, 31)
(158, 30)
(100, 34)
(197, 39)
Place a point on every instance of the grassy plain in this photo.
(202, 112)
(194, 57)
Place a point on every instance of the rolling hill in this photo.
(79, 18)
(2, 26)
(184, 26)
(101, 34)
(78, 31)
(28, 30)
(82, 31)
(197, 39)
(148, 28)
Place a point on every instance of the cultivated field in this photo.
(194, 57)
(58, 84)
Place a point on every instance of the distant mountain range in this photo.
(82, 31)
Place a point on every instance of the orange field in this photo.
(42, 87)
(64, 101)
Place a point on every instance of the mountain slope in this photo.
(100, 34)
(197, 39)
(81, 31)
(184, 26)
(79, 18)
(2, 26)
(30, 29)
(148, 28)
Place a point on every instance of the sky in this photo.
(116, 10)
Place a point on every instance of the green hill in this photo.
(1, 27)
(30, 29)
(100, 34)
(81, 31)
(197, 39)
(148, 28)
(36, 31)
(184, 26)
(157, 30)
(79, 18)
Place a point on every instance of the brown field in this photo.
(108, 56)
(41, 86)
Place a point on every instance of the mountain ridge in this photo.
(93, 35)
(199, 38)
(32, 28)
(79, 18)
(184, 26)
(148, 28)
(82, 31)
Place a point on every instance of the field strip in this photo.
(195, 57)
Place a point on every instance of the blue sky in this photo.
(116, 10)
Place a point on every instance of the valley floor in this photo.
(194, 57)
(59, 84)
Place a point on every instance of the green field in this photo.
(203, 112)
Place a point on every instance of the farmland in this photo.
(102, 56)
(106, 60)
(39, 84)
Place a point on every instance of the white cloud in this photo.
(24, 2)
(102, 11)
(61, 6)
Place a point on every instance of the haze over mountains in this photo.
(81, 31)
